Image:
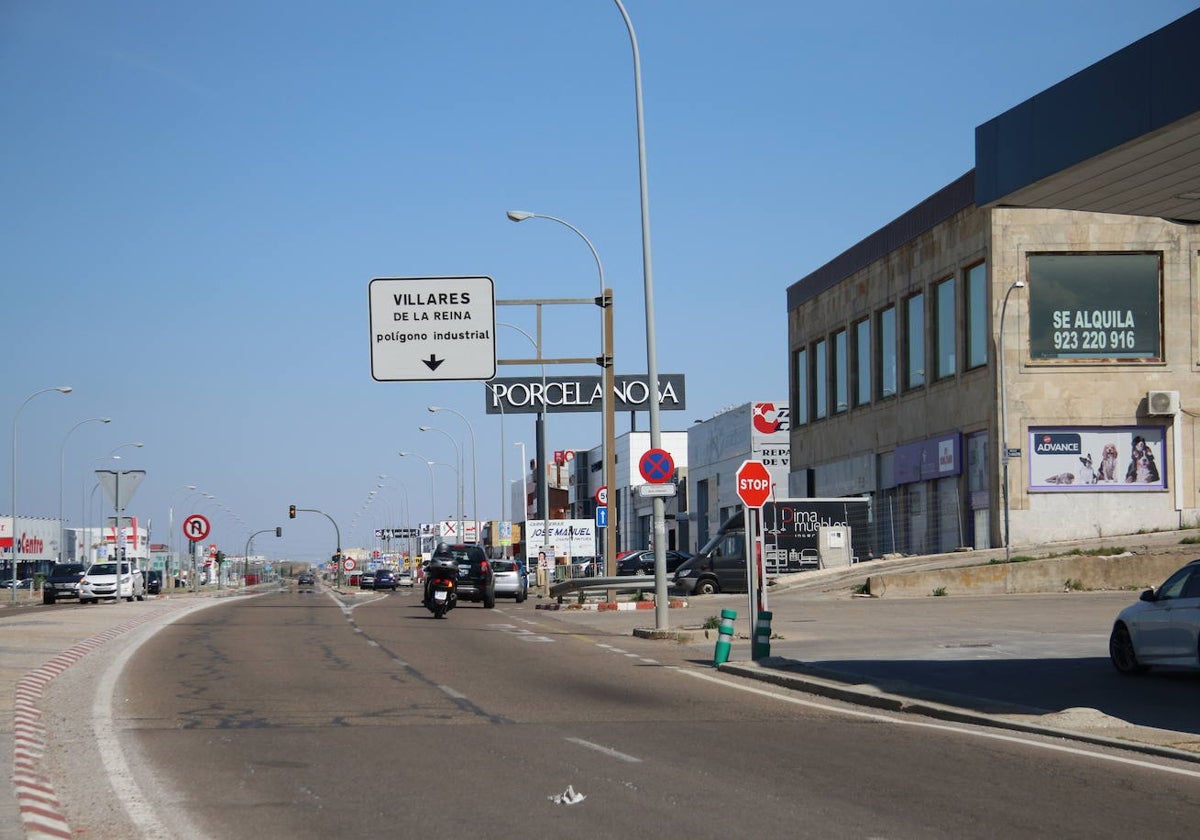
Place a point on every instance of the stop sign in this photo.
(753, 483)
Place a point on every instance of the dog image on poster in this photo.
(1142, 469)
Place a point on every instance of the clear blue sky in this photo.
(196, 196)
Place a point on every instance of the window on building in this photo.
(1095, 306)
(914, 341)
(885, 352)
(841, 373)
(820, 380)
(978, 323)
(801, 396)
(946, 324)
(861, 364)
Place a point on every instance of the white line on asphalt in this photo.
(609, 751)
(942, 727)
(452, 693)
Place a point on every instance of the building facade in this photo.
(1064, 342)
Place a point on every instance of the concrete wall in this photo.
(1134, 572)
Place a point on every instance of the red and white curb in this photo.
(41, 812)
(605, 606)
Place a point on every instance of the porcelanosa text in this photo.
(569, 393)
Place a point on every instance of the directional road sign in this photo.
(196, 527)
(432, 328)
(656, 466)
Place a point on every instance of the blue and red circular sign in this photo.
(657, 466)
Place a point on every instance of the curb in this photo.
(605, 606)
(794, 675)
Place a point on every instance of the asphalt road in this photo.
(299, 716)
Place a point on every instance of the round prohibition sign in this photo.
(656, 466)
(196, 527)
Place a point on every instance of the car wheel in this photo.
(141, 597)
(1121, 652)
(489, 600)
(87, 600)
(521, 596)
(707, 586)
(47, 597)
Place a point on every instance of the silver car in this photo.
(100, 581)
(1162, 628)
(512, 579)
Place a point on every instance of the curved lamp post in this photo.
(607, 428)
(543, 479)
(474, 470)
(660, 548)
(62, 459)
(62, 389)
(458, 449)
(1017, 284)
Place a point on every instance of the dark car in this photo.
(642, 562)
(307, 582)
(154, 579)
(63, 582)
(385, 579)
(476, 581)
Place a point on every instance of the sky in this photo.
(197, 196)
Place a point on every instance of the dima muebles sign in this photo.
(525, 395)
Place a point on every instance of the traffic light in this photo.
(278, 531)
(291, 512)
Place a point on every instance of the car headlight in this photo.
(682, 573)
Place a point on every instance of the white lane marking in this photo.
(520, 632)
(944, 727)
(109, 744)
(609, 751)
(452, 693)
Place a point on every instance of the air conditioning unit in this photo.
(1159, 403)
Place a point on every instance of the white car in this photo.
(511, 579)
(100, 581)
(1162, 628)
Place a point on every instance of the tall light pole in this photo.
(1017, 284)
(474, 471)
(504, 486)
(432, 490)
(544, 476)
(524, 497)
(16, 535)
(62, 459)
(462, 534)
(660, 549)
(607, 420)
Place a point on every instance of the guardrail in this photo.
(562, 588)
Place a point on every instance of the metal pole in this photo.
(62, 389)
(474, 466)
(62, 456)
(660, 549)
(1017, 284)
(459, 482)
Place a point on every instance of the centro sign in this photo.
(562, 394)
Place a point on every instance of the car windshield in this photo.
(108, 569)
(504, 565)
(67, 569)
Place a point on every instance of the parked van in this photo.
(791, 529)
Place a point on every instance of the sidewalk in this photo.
(1030, 663)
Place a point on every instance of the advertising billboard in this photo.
(1096, 459)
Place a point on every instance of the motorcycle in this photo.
(441, 582)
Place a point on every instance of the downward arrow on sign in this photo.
(433, 362)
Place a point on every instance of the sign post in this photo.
(754, 488)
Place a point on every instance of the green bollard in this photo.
(761, 648)
(724, 638)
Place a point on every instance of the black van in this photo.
(720, 566)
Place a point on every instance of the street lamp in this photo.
(544, 476)
(1017, 284)
(62, 389)
(525, 499)
(660, 548)
(458, 449)
(62, 455)
(474, 471)
(607, 421)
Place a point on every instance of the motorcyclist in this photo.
(442, 564)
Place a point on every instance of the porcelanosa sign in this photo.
(525, 395)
